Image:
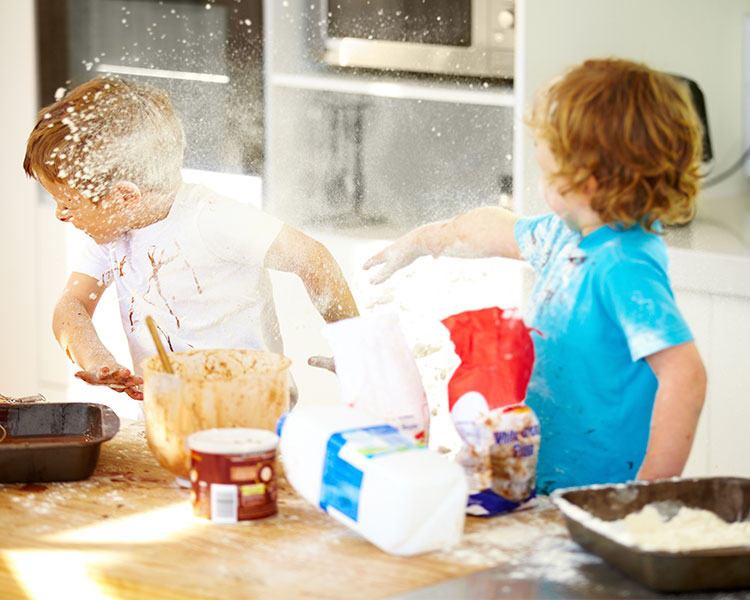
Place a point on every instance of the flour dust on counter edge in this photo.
(535, 538)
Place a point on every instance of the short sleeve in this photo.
(540, 238)
(93, 260)
(638, 296)
(237, 231)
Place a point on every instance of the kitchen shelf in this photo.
(477, 93)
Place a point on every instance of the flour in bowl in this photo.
(688, 529)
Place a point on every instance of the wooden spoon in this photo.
(159, 347)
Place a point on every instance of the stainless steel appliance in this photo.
(207, 55)
(456, 37)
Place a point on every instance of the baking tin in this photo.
(52, 441)
(233, 474)
(727, 497)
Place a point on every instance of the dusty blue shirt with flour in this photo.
(601, 304)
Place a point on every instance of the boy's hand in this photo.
(394, 257)
(119, 380)
(322, 362)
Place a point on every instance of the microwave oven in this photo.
(472, 38)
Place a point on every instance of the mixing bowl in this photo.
(210, 389)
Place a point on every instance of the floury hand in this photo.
(322, 362)
(119, 380)
(393, 258)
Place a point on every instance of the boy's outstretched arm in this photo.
(294, 252)
(479, 233)
(75, 332)
(677, 407)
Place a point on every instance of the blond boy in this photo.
(110, 152)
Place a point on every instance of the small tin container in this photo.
(233, 474)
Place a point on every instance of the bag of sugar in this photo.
(377, 372)
(485, 398)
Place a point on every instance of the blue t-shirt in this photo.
(601, 304)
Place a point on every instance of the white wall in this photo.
(18, 292)
(34, 246)
(694, 38)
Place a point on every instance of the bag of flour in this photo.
(485, 397)
(377, 372)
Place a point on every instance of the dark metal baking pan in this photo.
(53, 441)
(727, 497)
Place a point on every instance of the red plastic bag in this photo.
(497, 356)
(485, 397)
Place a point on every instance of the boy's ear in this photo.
(126, 192)
(591, 187)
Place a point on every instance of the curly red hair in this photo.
(634, 129)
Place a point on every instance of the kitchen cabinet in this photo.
(721, 326)
(709, 266)
(728, 411)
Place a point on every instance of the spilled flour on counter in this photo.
(532, 544)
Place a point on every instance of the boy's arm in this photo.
(479, 233)
(677, 407)
(294, 252)
(75, 332)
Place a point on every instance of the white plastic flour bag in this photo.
(395, 492)
(377, 372)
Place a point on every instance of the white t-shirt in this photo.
(199, 273)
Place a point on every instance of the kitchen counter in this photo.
(712, 254)
(128, 532)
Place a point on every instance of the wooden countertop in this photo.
(128, 532)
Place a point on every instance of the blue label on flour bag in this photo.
(487, 503)
(342, 481)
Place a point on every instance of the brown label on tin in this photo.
(229, 488)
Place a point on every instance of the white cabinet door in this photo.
(729, 387)
(696, 308)
(721, 325)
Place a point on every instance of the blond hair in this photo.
(634, 129)
(104, 131)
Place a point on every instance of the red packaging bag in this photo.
(497, 356)
(485, 397)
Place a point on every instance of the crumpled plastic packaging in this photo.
(485, 398)
(377, 372)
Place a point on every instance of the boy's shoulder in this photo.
(231, 228)
(195, 194)
(623, 254)
(631, 241)
(198, 196)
